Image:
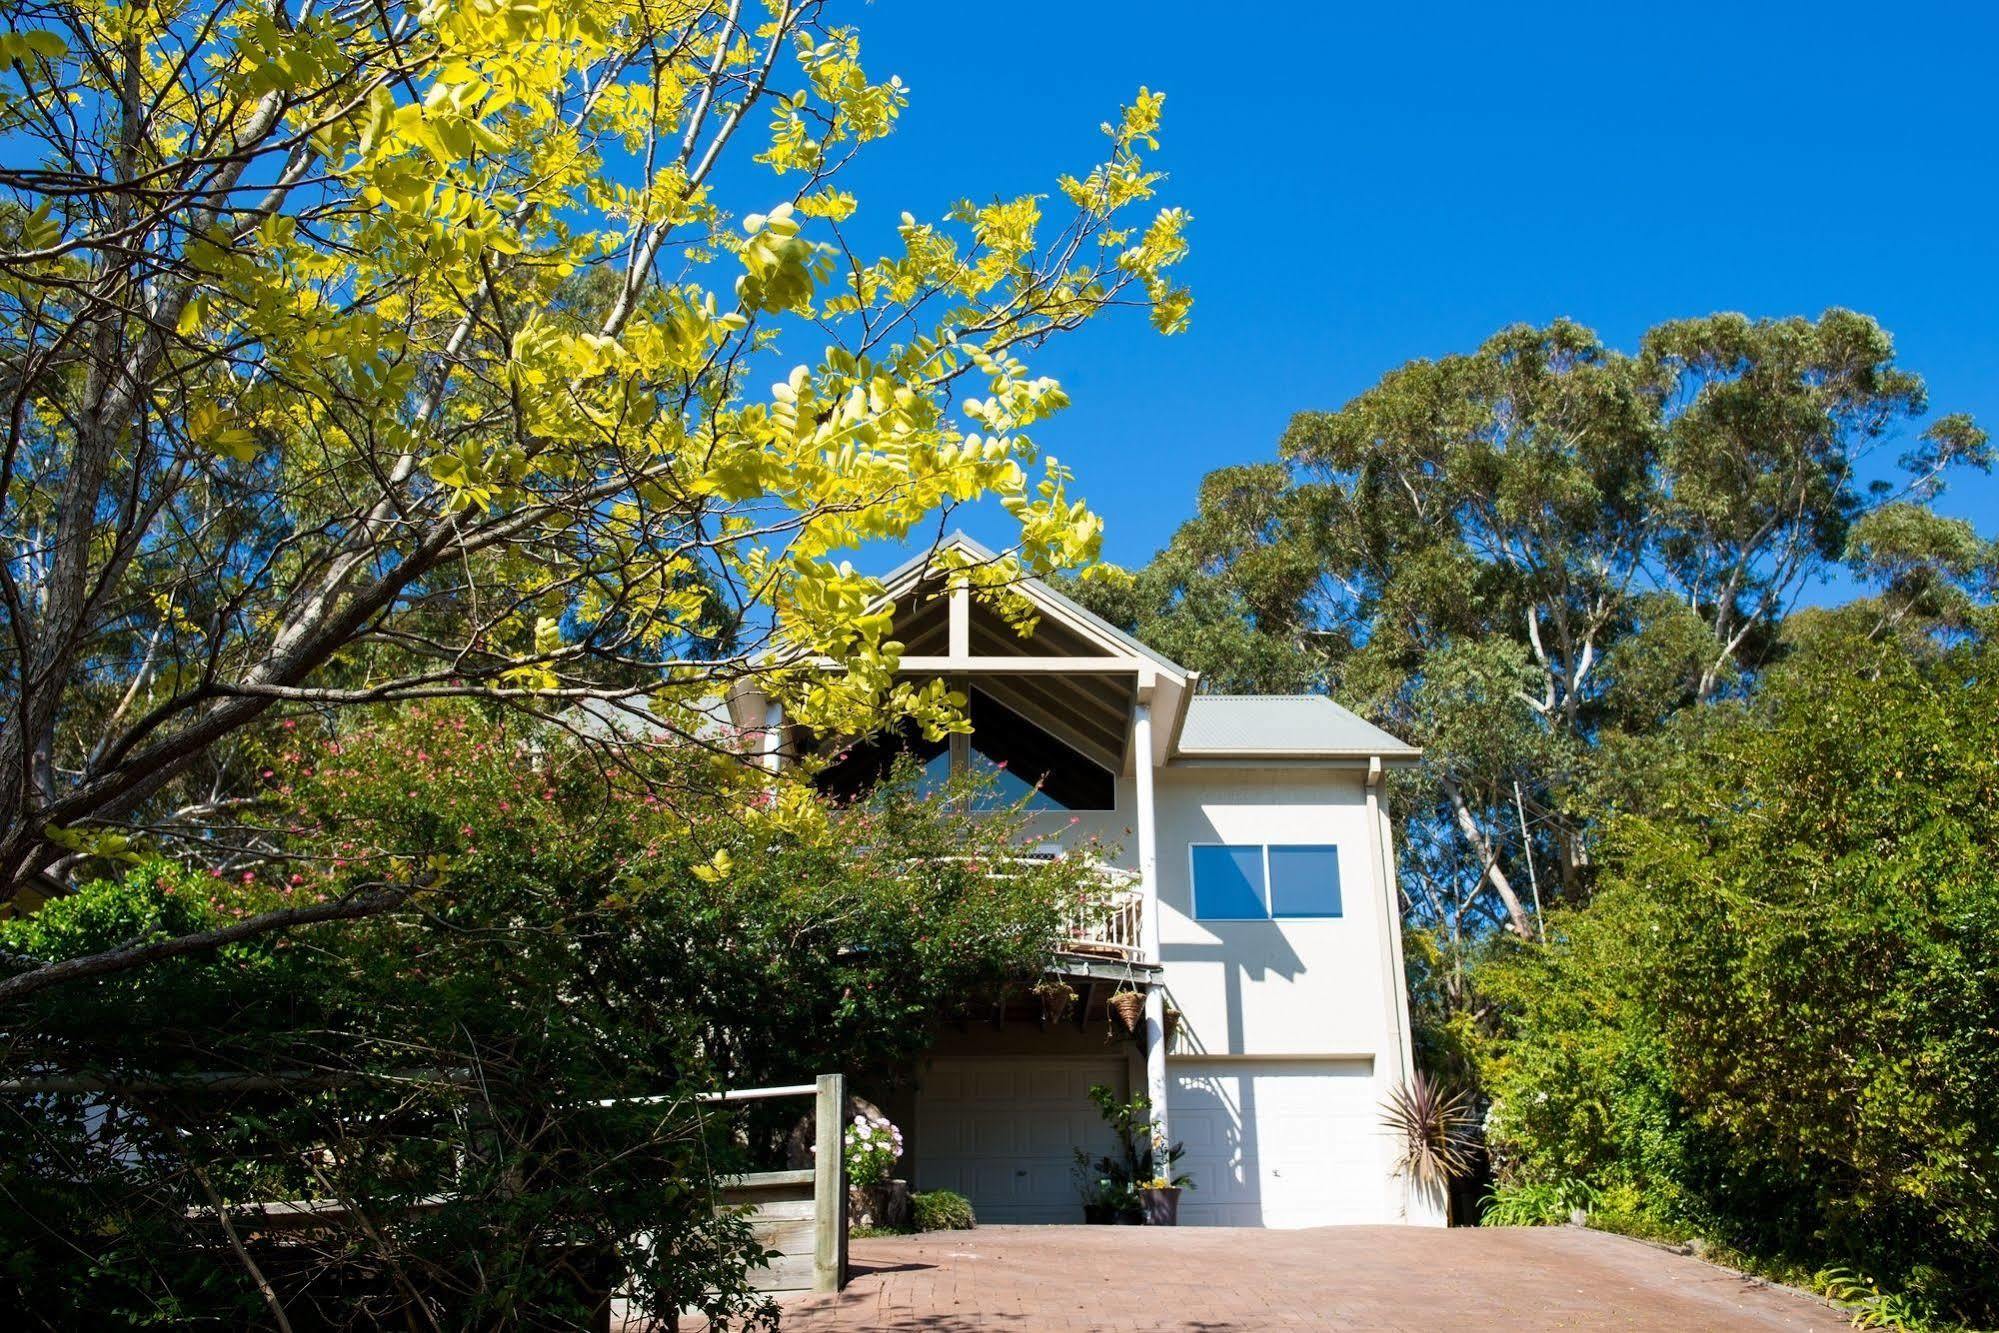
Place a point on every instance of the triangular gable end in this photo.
(1076, 677)
(1067, 633)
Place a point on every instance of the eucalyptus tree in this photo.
(1512, 555)
(361, 352)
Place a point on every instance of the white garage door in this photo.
(1279, 1143)
(1002, 1132)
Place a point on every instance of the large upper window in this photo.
(1016, 760)
(866, 763)
(1261, 881)
(1022, 760)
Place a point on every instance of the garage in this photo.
(1279, 1143)
(1002, 1132)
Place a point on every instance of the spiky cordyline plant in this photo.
(1435, 1126)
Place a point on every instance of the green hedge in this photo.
(1774, 1025)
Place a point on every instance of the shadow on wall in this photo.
(1278, 1143)
(1216, 1119)
(1244, 950)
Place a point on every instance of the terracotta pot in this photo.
(1162, 1206)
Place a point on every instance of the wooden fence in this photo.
(800, 1214)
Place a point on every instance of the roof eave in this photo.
(1401, 758)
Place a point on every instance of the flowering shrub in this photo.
(558, 902)
(873, 1145)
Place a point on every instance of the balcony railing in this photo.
(1111, 927)
(1110, 924)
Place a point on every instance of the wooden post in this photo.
(829, 1185)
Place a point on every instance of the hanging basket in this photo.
(1172, 1024)
(1128, 1006)
(1056, 998)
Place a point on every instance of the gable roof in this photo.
(1208, 726)
(1282, 726)
(1196, 726)
(899, 579)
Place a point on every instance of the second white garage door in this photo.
(1002, 1132)
(1280, 1143)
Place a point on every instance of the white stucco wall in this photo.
(1277, 1016)
(1293, 987)
(1307, 996)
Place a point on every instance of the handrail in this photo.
(1113, 926)
(711, 1098)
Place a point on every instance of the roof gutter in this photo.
(1187, 690)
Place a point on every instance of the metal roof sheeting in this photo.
(1299, 725)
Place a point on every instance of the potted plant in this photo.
(1095, 1190)
(1127, 1008)
(873, 1146)
(1161, 1202)
(1159, 1195)
(1057, 997)
(1142, 1170)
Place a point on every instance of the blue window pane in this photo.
(1304, 881)
(1228, 884)
(934, 776)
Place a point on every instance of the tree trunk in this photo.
(1517, 919)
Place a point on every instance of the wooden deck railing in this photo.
(1108, 925)
(800, 1215)
(1112, 927)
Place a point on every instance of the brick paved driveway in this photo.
(1213, 1279)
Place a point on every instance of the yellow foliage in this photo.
(492, 321)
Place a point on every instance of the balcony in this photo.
(1112, 927)
(1103, 937)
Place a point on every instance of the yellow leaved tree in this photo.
(358, 352)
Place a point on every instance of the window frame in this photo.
(959, 757)
(1117, 779)
(1263, 859)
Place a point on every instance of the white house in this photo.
(1253, 834)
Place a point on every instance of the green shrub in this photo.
(942, 1210)
(1772, 1026)
(1534, 1203)
(580, 942)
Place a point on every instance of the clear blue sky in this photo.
(1375, 183)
